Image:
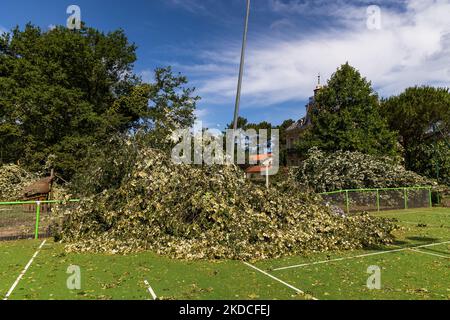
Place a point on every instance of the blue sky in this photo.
(290, 42)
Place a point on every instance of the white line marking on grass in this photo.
(150, 290)
(24, 271)
(276, 279)
(430, 253)
(360, 256)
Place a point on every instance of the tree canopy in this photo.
(421, 116)
(346, 117)
(63, 90)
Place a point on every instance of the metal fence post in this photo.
(406, 198)
(347, 201)
(431, 198)
(38, 213)
(378, 200)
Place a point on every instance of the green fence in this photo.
(28, 219)
(33, 219)
(358, 200)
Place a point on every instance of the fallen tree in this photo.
(205, 212)
(13, 180)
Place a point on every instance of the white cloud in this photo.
(3, 30)
(412, 48)
(201, 113)
(202, 119)
(190, 5)
(282, 24)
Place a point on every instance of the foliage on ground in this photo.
(325, 172)
(13, 179)
(211, 212)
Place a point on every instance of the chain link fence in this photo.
(380, 199)
(29, 219)
(34, 219)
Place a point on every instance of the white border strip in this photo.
(430, 253)
(24, 271)
(150, 290)
(360, 256)
(276, 279)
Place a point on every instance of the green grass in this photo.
(405, 274)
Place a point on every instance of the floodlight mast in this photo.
(241, 69)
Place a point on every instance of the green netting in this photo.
(16, 222)
(392, 199)
(379, 199)
(418, 198)
(23, 220)
(27, 220)
(362, 201)
(336, 199)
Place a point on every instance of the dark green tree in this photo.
(283, 150)
(346, 117)
(62, 91)
(245, 125)
(242, 124)
(421, 116)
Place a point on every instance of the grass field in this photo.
(417, 266)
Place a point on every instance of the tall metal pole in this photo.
(241, 69)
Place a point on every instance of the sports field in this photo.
(417, 266)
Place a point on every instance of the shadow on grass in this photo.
(413, 241)
(423, 240)
(400, 243)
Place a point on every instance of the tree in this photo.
(283, 150)
(421, 116)
(62, 91)
(346, 117)
(245, 125)
(171, 107)
(242, 124)
(431, 160)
